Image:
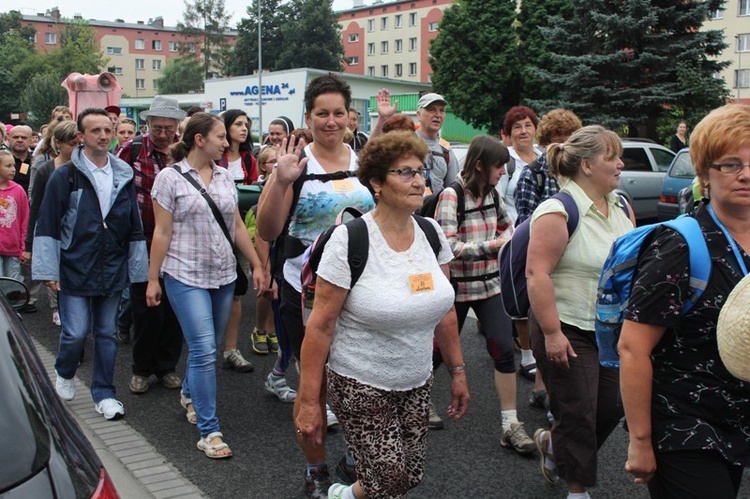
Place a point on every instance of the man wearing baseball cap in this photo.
(441, 165)
(157, 341)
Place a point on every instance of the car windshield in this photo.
(683, 166)
(25, 446)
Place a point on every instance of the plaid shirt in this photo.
(527, 191)
(145, 168)
(471, 242)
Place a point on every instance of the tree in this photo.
(618, 62)
(244, 55)
(181, 75)
(311, 37)
(207, 21)
(475, 61)
(41, 95)
(16, 46)
(534, 47)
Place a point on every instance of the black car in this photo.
(43, 452)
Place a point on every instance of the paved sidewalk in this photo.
(137, 469)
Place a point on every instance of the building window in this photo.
(742, 78)
(412, 69)
(412, 44)
(173, 46)
(432, 27)
(114, 50)
(156, 64)
(50, 38)
(413, 19)
(399, 70)
(716, 14)
(156, 87)
(384, 71)
(399, 22)
(371, 25)
(140, 83)
(189, 47)
(354, 38)
(370, 49)
(743, 43)
(115, 70)
(399, 46)
(383, 47)
(370, 70)
(140, 44)
(140, 64)
(354, 60)
(383, 23)
(744, 7)
(156, 44)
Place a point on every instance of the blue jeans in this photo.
(10, 266)
(203, 315)
(79, 315)
(125, 315)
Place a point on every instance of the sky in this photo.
(132, 10)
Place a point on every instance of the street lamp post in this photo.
(260, 76)
(739, 67)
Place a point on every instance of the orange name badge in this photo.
(343, 185)
(421, 283)
(24, 169)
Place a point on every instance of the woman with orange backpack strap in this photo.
(688, 416)
(563, 273)
(473, 231)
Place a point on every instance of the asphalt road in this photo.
(465, 460)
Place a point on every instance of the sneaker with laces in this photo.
(65, 388)
(538, 399)
(233, 359)
(331, 420)
(273, 342)
(278, 386)
(435, 422)
(546, 458)
(517, 438)
(336, 491)
(56, 318)
(347, 474)
(110, 408)
(317, 483)
(259, 338)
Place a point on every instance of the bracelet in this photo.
(456, 369)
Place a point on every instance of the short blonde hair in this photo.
(723, 130)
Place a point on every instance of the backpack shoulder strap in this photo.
(430, 232)
(460, 202)
(571, 209)
(535, 167)
(699, 257)
(496, 200)
(359, 246)
(135, 148)
(624, 205)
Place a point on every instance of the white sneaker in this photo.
(110, 409)
(65, 388)
(331, 419)
(56, 318)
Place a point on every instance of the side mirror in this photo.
(15, 292)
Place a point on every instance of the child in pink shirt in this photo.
(14, 217)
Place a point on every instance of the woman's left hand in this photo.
(459, 396)
(309, 423)
(259, 281)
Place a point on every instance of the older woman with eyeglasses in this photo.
(688, 417)
(377, 335)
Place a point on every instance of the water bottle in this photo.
(608, 328)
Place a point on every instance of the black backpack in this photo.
(429, 205)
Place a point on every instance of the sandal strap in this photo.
(211, 436)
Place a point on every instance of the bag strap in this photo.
(359, 246)
(699, 257)
(214, 209)
(539, 175)
(571, 209)
(430, 232)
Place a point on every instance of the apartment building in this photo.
(391, 40)
(734, 20)
(136, 52)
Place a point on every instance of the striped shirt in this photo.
(471, 242)
(199, 254)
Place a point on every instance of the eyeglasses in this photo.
(407, 173)
(730, 167)
(161, 129)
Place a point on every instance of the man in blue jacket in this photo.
(89, 241)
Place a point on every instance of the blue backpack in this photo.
(617, 277)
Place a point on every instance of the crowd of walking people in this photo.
(140, 238)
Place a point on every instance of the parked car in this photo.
(43, 452)
(460, 149)
(680, 175)
(646, 165)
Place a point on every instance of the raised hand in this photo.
(383, 102)
(289, 166)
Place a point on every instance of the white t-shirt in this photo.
(384, 333)
(235, 169)
(103, 183)
(507, 186)
(319, 203)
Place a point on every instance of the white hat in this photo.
(733, 331)
(428, 99)
(164, 107)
